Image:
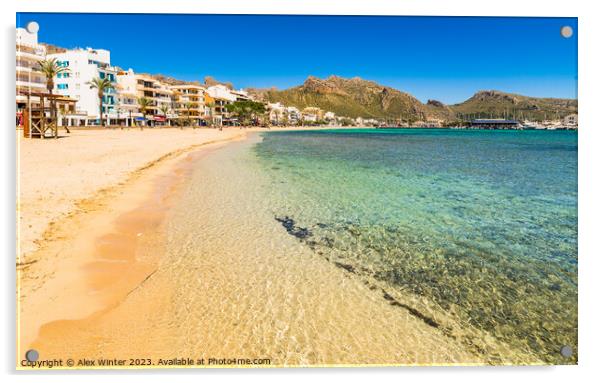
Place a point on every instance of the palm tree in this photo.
(51, 69)
(164, 110)
(144, 103)
(102, 84)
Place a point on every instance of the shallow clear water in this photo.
(476, 230)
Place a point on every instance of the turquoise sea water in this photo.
(474, 230)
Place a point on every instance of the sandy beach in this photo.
(56, 175)
(127, 269)
(98, 176)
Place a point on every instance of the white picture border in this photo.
(590, 191)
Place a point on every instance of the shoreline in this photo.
(132, 265)
(45, 265)
(90, 268)
(93, 162)
(120, 299)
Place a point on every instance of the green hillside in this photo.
(495, 104)
(362, 98)
(350, 97)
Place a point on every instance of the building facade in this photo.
(217, 97)
(190, 103)
(128, 111)
(162, 103)
(277, 113)
(29, 78)
(84, 65)
(312, 114)
(571, 120)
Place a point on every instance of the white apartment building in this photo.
(280, 114)
(127, 111)
(85, 65)
(571, 120)
(221, 92)
(241, 95)
(29, 79)
(294, 115)
(277, 113)
(220, 96)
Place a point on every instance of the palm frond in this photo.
(51, 68)
(100, 83)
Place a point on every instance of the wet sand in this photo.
(187, 261)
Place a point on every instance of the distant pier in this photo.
(495, 123)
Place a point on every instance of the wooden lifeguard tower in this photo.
(40, 114)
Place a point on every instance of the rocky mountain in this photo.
(172, 81)
(356, 97)
(208, 81)
(440, 111)
(496, 104)
(349, 97)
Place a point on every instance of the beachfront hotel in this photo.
(161, 98)
(312, 114)
(131, 88)
(31, 81)
(84, 65)
(190, 104)
(218, 96)
(280, 114)
(128, 110)
(29, 78)
(174, 103)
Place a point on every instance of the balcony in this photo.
(30, 86)
(27, 55)
(31, 79)
(29, 49)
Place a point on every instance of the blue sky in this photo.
(443, 58)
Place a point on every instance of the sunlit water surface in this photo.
(474, 230)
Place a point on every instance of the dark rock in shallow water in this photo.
(349, 268)
(353, 230)
(287, 222)
(329, 242)
(292, 228)
(428, 320)
(301, 232)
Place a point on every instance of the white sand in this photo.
(54, 174)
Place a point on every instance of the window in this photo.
(62, 86)
(62, 63)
